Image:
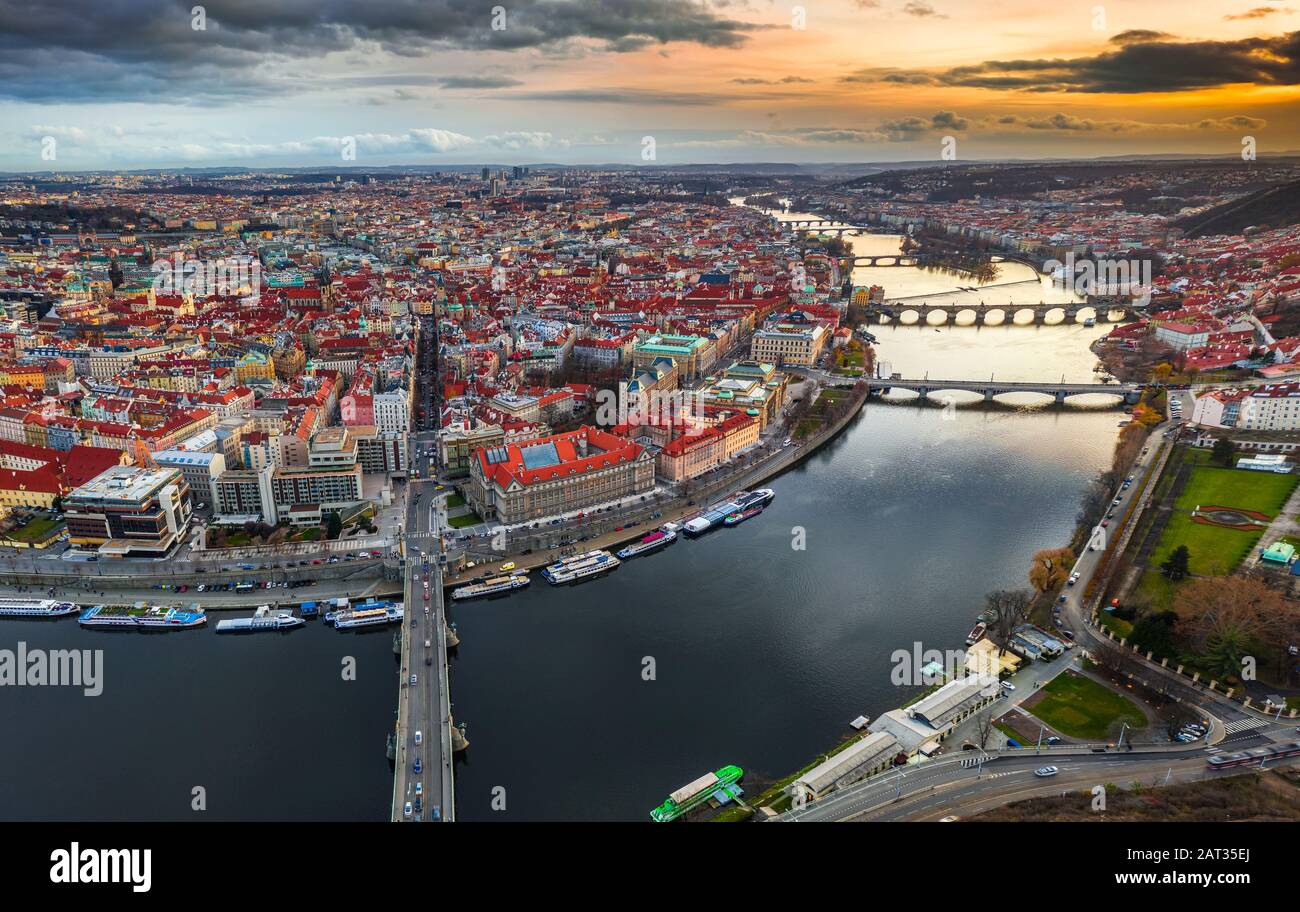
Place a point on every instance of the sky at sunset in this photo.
(261, 83)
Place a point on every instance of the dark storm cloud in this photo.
(134, 48)
(1139, 64)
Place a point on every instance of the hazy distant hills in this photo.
(1271, 207)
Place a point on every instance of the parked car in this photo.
(1008, 686)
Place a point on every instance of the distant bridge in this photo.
(1109, 311)
(1128, 393)
(887, 259)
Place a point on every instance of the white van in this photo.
(419, 737)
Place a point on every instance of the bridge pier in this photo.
(1059, 397)
(989, 394)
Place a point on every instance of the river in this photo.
(761, 654)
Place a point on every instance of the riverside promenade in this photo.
(768, 466)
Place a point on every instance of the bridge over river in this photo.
(1126, 393)
(1109, 310)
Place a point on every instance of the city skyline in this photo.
(635, 82)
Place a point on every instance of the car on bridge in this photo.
(1044, 772)
(418, 765)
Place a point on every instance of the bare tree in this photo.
(984, 729)
(1007, 609)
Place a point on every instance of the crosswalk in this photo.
(1246, 724)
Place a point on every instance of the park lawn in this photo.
(454, 501)
(806, 427)
(1081, 708)
(1118, 626)
(311, 534)
(1214, 550)
(1156, 590)
(460, 522)
(1265, 492)
(37, 530)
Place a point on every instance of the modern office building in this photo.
(127, 510)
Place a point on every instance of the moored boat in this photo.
(367, 614)
(261, 620)
(21, 607)
(691, 796)
(657, 539)
(580, 567)
(143, 617)
(494, 586)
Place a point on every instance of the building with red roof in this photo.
(559, 473)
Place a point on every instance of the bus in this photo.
(245, 587)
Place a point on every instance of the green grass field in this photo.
(1215, 550)
(454, 501)
(1081, 708)
(37, 530)
(1156, 591)
(460, 522)
(1241, 488)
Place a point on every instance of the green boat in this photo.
(689, 797)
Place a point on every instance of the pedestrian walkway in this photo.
(1284, 525)
(1247, 724)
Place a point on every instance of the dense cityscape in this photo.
(615, 452)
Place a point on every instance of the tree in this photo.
(1050, 568)
(1224, 616)
(1007, 610)
(1175, 567)
(984, 729)
(333, 526)
(1154, 632)
(1222, 451)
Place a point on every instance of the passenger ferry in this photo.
(368, 614)
(143, 617)
(580, 567)
(20, 607)
(262, 619)
(660, 538)
(494, 586)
